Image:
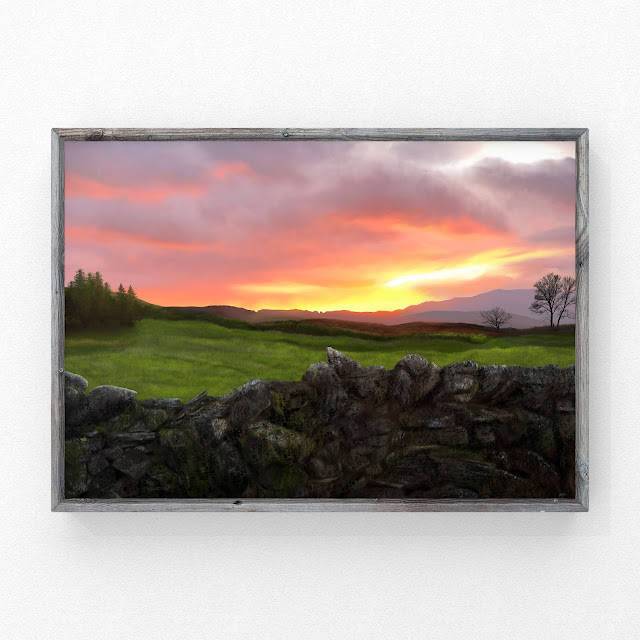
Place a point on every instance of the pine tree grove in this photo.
(90, 303)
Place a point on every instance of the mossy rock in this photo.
(278, 404)
(161, 482)
(137, 418)
(265, 444)
(283, 481)
(178, 439)
(295, 409)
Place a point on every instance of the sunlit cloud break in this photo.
(464, 273)
(499, 258)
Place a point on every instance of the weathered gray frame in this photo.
(60, 503)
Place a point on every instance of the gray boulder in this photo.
(75, 400)
(343, 365)
(333, 397)
(414, 364)
(321, 374)
(246, 403)
(402, 388)
(74, 381)
(459, 382)
(106, 401)
(497, 382)
(425, 376)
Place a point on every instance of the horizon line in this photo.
(389, 311)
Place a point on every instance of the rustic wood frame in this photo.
(60, 503)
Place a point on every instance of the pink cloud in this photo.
(224, 223)
(79, 186)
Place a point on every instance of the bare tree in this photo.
(567, 307)
(554, 298)
(496, 317)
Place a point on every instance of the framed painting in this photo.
(320, 319)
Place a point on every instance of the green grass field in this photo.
(180, 358)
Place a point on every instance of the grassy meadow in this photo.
(180, 358)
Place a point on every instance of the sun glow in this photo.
(464, 273)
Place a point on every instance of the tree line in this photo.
(90, 303)
(554, 299)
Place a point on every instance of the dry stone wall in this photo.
(343, 431)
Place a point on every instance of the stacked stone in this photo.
(343, 431)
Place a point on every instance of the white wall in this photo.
(316, 64)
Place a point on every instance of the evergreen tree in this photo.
(90, 302)
(121, 304)
(136, 307)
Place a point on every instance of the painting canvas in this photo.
(307, 319)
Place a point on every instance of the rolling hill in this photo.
(457, 310)
(471, 317)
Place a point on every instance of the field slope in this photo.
(180, 358)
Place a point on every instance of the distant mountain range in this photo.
(466, 310)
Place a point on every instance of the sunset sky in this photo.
(316, 225)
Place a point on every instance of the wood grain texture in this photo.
(582, 317)
(289, 134)
(306, 504)
(57, 319)
(59, 136)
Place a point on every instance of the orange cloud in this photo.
(408, 221)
